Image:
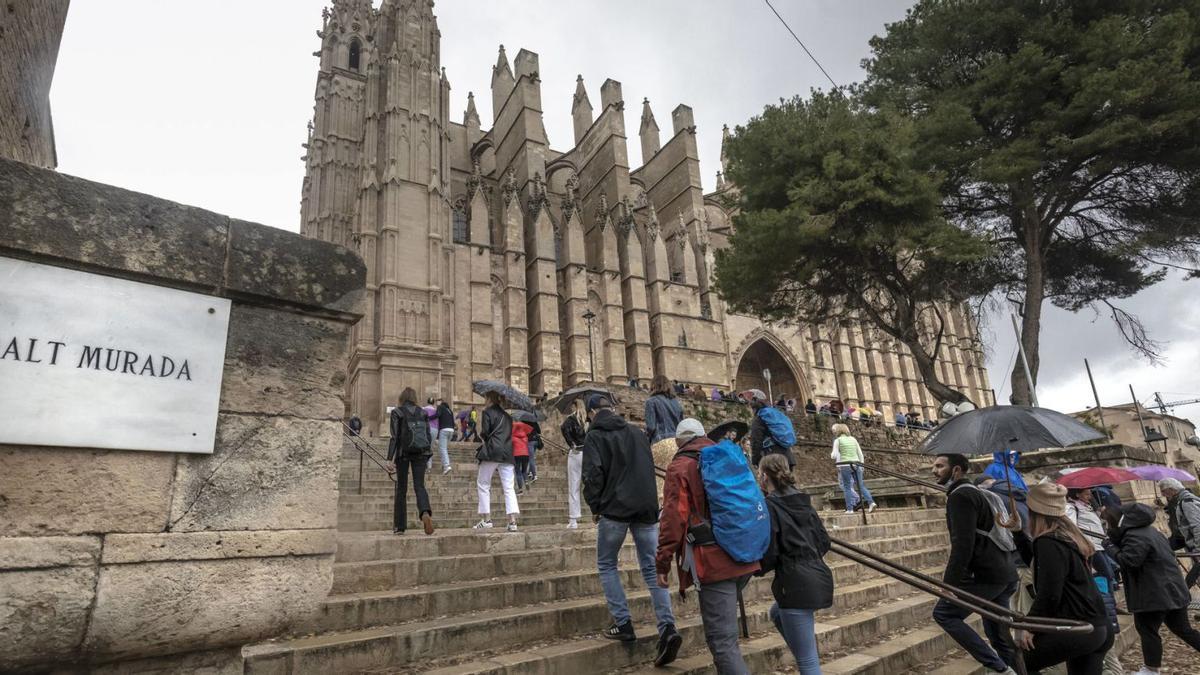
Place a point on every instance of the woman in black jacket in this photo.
(409, 450)
(573, 429)
(496, 455)
(1155, 591)
(803, 582)
(1063, 588)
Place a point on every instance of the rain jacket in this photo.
(685, 504)
(798, 544)
(497, 436)
(520, 439)
(996, 469)
(618, 471)
(1153, 580)
(1183, 513)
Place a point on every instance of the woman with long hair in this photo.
(1063, 587)
(573, 429)
(409, 450)
(803, 582)
(847, 455)
(496, 455)
(663, 411)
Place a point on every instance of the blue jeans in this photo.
(950, 617)
(796, 627)
(610, 536)
(532, 459)
(850, 477)
(443, 439)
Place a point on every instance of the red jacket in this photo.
(685, 504)
(520, 439)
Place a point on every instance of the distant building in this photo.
(1170, 436)
(491, 254)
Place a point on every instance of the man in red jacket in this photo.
(699, 559)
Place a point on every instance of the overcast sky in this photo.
(206, 101)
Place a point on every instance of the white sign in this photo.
(90, 361)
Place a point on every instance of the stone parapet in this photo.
(111, 557)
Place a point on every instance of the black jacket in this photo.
(1063, 584)
(400, 433)
(1154, 582)
(496, 433)
(618, 471)
(572, 432)
(974, 559)
(798, 543)
(759, 436)
(445, 417)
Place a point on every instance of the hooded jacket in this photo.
(663, 414)
(798, 544)
(1154, 582)
(758, 439)
(618, 471)
(496, 433)
(1183, 513)
(521, 433)
(997, 470)
(685, 504)
(974, 559)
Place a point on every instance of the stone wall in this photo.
(110, 556)
(30, 31)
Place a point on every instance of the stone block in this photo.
(43, 614)
(284, 363)
(163, 546)
(208, 662)
(267, 262)
(72, 491)
(147, 608)
(37, 552)
(267, 473)
(94, 225)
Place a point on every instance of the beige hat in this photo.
(1048, 499)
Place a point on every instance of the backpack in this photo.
(779, 428)
(1000, 536)
(741, 523)
(414, 434)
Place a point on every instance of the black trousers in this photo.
(405, 465)
(1147, 625)
(522, 468)
(1194, 573)
(1083, 654)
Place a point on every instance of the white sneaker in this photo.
(1146, 671)
(483, 525)
(572, 524)
(871, 508)
(446, 471)
(849, 512)
(512, 527)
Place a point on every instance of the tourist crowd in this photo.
(730, 510)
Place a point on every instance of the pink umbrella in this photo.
(1097, 475)
(1157, 472)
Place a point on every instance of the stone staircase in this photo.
(464, 602)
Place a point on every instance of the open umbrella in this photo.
(718, 432)
(1092, 476)
(1157, 472)
(527, 416)
(514, 398)
(565, 400)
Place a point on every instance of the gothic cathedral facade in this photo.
(491, 255)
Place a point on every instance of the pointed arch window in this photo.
(355, 54)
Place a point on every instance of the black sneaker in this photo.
(624, 632)
(668, 646)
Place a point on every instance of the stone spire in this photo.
(471, 116)
(502, 82)
(648, 132)
(724, 158)
(581, 110)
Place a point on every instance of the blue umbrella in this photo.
(514, 398)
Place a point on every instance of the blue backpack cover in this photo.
(740, 520)
(779, 427)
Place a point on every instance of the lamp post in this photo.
(590, 316)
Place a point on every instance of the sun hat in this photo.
(1048, 499)
(688, 429)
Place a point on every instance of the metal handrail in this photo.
(365, 449)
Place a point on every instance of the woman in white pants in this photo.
(573, 429)
(496, 455)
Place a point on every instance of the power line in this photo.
(799, 42)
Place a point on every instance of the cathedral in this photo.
(492, 255)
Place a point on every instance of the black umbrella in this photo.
(1005, 429)
(527, 416)
(513, 397)
(718, 432)
(565, 400)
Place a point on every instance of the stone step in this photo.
(530, 500)
(374, 524)
(417, 643)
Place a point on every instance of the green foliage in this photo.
(1066, 131)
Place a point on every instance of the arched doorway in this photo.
(762, 355)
